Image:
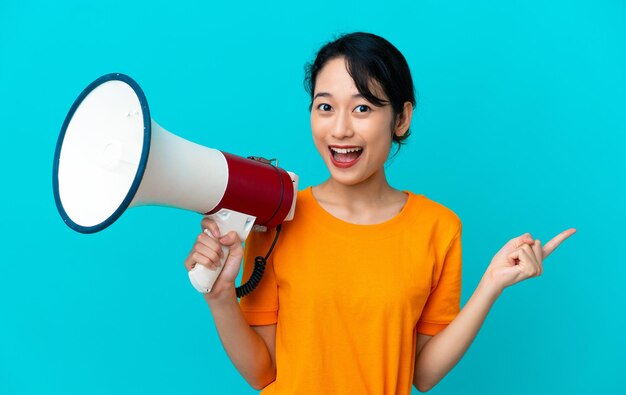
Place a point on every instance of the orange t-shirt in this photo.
(348, 299)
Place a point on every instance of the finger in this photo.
(230, 239)
(527, 262)
(210, 253)
(537, 250)
(514, 256)
(529, 250)
(233, 242)
(538, 255)
(550, 246)
(200, 259)
(533, 259)
(235, 256)
(210, 225)
(204, 223)
(210, 242)
(189, 263)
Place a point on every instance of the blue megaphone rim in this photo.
(147, 130)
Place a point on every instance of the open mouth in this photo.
(343, 156)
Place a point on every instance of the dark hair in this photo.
(368, 57)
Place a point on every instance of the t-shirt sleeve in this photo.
(260, 307)
(444, 301)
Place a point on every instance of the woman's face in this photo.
(352, 135)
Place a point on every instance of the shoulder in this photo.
(305, 201)
(437, 209)
(304, 194)
(438, 215)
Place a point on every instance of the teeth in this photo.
(346, 150)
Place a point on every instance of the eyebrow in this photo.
(326, 94)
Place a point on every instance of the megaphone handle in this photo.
(203, 278)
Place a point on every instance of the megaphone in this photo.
(110, 156)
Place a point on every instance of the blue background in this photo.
(519, 127)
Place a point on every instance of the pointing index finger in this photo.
(550, 246)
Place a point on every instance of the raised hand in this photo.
(521, 258)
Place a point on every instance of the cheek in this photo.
(320, 127)
(317, 131)
(379, 134)
(384, 149)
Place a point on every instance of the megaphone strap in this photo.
(273, 161)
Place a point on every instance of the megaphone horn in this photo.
(111, 155)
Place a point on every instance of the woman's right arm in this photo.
(251, 349)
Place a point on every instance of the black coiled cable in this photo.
(257, 272)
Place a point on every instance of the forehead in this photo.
(335, 79)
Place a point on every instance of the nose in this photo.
(342, 127)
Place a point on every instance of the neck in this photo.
(371, 192)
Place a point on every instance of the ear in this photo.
(404, 119)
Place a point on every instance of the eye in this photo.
(362, 108)
(324, 107)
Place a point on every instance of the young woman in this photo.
(362, 292)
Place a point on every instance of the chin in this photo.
(349, 180)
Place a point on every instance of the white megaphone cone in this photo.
(110, 156)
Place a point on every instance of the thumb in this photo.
(510, 272)
(519, 241)
(515, 243)
(233, 242)
(235, 255)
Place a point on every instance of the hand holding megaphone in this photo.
(222, 222)
(209, 257)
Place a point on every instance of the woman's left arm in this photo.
(519, 259)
